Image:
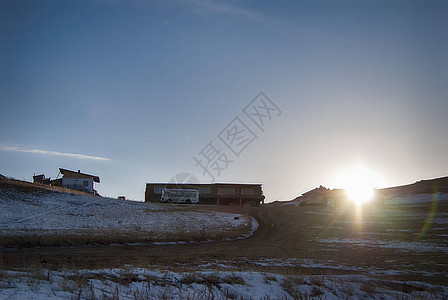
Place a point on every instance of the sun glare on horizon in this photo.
(359, 183)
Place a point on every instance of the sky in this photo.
(289, 94)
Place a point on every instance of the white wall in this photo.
(70, 183)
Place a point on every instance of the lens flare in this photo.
(432, 213)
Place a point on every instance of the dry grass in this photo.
(81, 285)
(233, 209)
(269, 278)
(32, 186)
(291, 285)
(208, 285)
(402, 286)
(368, 287)
(317, 291)
(211, 280)
(108, 237)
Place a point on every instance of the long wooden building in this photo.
(213, 193)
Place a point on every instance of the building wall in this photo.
(227, 194)
(38, 178)
(315, 199)
(79, 184)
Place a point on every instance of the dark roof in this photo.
(319, 190)
(73, 174)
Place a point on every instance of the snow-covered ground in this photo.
(414, 246)
(39, 212)
(237, 277)
(143, 283)
(416, 199)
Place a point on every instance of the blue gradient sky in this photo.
(147, 84)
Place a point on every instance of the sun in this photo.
(358, 183)
(358, 191)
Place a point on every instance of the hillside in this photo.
(419, 191)
(32, 215)
(298, 252)
(429, 186)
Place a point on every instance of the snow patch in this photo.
(416, 199)
(47, 212)
(400, 245)
(143, 283)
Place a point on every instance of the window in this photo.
(247, 191)
(158, 189)
(85, 183)
(226, 191)
(174, 193)
(190, 194)
(205, 190)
